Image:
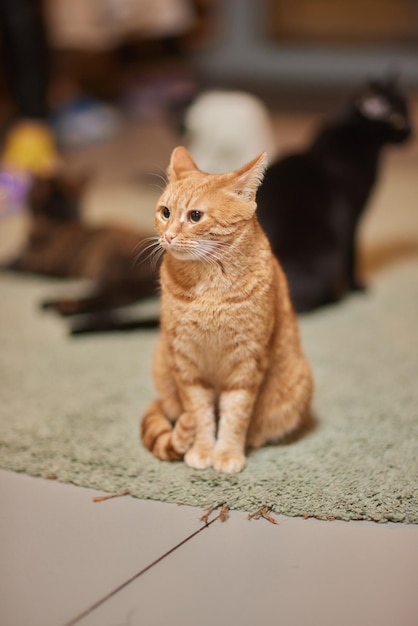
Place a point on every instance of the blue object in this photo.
(14, 187)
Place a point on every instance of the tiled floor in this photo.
(124, 562)
(65, 559)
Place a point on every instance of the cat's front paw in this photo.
(198, 458)
(229, 462)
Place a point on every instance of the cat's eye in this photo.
(165, 212)
(195, 216)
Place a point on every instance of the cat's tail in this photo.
(165, 440)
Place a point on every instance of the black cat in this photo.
(310, 203)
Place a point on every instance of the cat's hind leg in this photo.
(281, 409)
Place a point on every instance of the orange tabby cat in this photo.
(228, 367)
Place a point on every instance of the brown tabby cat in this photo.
(61, 244)
(229, 367)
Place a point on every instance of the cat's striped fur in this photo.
(229, 368)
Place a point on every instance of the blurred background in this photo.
(105, 47)
(108, 82)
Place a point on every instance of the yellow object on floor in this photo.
(30, 147)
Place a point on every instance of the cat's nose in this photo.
(169, 236)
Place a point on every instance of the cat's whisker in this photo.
(150, 243)
(158, 172)
(145, 241)
(210, 259)
(143, 246)
(195, 251)
(163, 174)
(203, 250)
(161, 177)
(156, 255)
(144, 250)
(218, 249)
(153, 178)
(232, 248)
(156, 186)
(209, 251)
(205, 257)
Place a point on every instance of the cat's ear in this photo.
(181, 163)
(246, 180)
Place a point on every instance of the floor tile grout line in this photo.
(130, 580)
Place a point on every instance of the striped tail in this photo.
(166, 441)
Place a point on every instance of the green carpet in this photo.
(71, 407)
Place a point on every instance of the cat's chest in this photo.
(205, 317)
(204, 309)
(195, 295)
(215, 307)
(199, 289)
(214, 287)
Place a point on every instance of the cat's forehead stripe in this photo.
(186, 201)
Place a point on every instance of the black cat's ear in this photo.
(181, 164)
(245, 181)
(389, 82)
